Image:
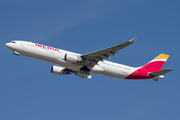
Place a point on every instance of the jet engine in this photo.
(73, 58)
(59, 70)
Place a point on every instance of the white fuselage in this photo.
(56, 56)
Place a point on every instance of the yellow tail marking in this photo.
(162, 56)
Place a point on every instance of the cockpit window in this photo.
(13, 42)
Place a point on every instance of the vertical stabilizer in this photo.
(156, 64)
(151, 69)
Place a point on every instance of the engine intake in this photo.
(59, 70)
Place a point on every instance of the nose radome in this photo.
(7, 44)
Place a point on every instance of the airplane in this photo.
(83, 65)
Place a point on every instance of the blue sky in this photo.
(29, 91)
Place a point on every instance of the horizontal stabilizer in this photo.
(162, 72)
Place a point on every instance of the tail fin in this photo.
(151, 70)
(156, 64)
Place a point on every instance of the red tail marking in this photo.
(142, 73)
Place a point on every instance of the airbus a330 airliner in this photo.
(91, 63)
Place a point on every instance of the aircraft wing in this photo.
(94, 57)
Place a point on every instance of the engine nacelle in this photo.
(72, 58)
(58, 70)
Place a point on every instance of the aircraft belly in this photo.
(116, 74)
(96, 70)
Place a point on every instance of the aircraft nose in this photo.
(7, 44)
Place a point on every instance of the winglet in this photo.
(133, 40)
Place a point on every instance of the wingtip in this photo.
(133, 40)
